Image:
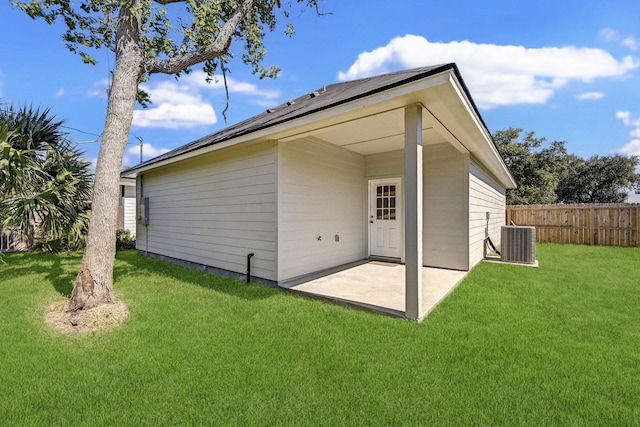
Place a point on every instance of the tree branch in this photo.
(165, 2)
(206, 53)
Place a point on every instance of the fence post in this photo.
(637, 230)
(591, 227)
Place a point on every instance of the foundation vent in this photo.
(518, 244)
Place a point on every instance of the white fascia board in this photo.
(506, 177)
(126, 181)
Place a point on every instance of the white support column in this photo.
(413, 211)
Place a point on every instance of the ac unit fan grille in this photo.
(518, 244)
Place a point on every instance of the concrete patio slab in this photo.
(380, 286)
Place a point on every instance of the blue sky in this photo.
(567, 70)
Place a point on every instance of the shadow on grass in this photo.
(60, 270)
(130, 263)
(62, 281)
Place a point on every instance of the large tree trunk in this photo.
(94, 283)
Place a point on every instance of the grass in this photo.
(557, 345)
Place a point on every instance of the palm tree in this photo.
(45, 185)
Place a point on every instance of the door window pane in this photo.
(386, 202)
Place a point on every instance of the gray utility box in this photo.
(518, 244)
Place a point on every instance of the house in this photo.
(127, 205)
(633, 196)
(398, 166)
(13, 242)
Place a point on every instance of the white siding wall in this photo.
(321, 192)
(129, 191)
(128, 203)
(129, 210)
(385, 165)
(485, 195)
(445, 226)
(215, 209)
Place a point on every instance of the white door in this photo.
(385, 219)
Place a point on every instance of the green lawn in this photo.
(557, 345)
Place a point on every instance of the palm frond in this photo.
(45, 184)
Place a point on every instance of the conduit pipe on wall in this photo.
(251, 255)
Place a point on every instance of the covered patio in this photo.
(424, 152)
(379, 286)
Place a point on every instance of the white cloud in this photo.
(199, 79)
(148, 150)
(497, 75)
(628, 119)
(101, 88)
(631, 42)
(609, 34)
(180, 104)
(632, 148)
(174, 106)
(92, 161)
(132, 154)
(590, 96)
(633, 123)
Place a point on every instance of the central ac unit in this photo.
(518, 244)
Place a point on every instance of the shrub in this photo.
(124, 240)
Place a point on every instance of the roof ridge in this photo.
(391, 73)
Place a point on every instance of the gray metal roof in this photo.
(315, 101)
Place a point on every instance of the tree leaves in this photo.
(599, 179)
(534, 175)
(173, 34)
(45, 185)
(551, 175)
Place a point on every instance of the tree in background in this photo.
(598, 179)
(45, 186)
(146, 42)
(533, 172)
(551, 175)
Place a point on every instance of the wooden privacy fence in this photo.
(608, 224)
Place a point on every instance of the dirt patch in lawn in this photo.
(95, 319)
